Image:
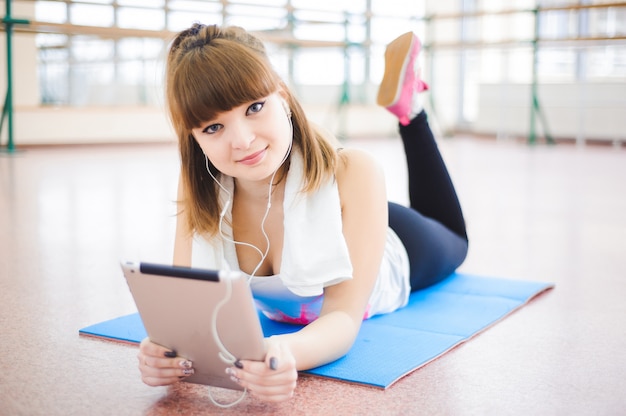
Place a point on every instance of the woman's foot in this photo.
(401, 82)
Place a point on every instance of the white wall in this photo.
(581, 111)
(584, 111)
(37, 126)
(62, 125)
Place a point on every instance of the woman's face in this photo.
(248, 142)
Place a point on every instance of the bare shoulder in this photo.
(359, 175)
(357, 165)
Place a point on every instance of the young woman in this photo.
(264, 191)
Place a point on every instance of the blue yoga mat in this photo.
(436, 320)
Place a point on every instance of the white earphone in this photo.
(225, 355)
(287, 109)
(269, 199)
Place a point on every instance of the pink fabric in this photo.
(306, 316)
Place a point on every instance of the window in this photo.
(347, 41)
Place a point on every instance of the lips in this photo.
(253, 158)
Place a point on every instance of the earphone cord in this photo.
(224, 354)
(267, 211)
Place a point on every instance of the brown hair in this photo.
(212, 70)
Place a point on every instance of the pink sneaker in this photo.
(400, 80)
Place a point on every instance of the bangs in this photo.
(216, 78)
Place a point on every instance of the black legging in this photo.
(433, 229)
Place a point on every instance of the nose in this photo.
(241, 135)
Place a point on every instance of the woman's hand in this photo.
(160, 366)
(272, 380)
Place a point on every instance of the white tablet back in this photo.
(178, 306)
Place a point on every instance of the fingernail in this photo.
(188, 371)
(238, 364)
(232, 375)
(170, 354)
(273, 363)
(185, 364)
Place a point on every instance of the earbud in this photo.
(286, 107)
(225, 209)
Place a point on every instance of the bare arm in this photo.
(365, 218)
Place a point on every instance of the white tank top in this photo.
(315, 255)
(391, 290)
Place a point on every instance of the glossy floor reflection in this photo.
(548, 213)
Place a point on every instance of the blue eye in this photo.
(255, 108)
(213, 128)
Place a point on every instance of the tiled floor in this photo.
(548, 213)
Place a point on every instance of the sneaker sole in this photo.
(397, 56)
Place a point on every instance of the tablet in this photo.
(181, 306)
